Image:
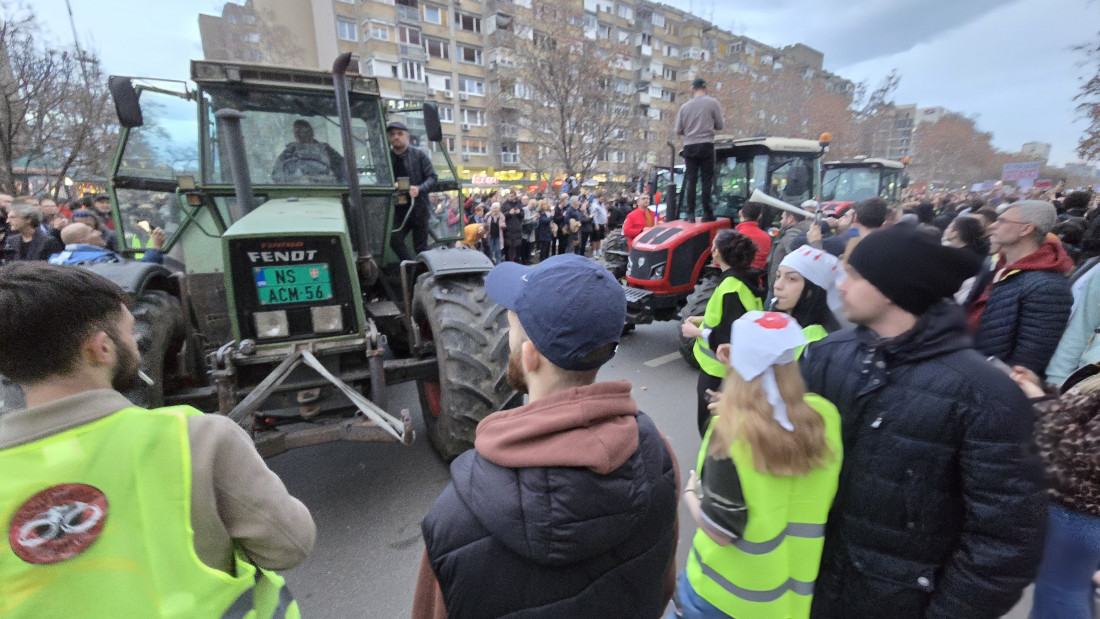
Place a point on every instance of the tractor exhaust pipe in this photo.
(229, 128)
(358, 214)
(672, 213)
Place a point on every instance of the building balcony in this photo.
(413, 52)
(418, 90)
(410, 14)
(509, 158)
(509, 131)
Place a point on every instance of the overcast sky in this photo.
(1007, 62)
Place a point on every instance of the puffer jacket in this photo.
(1026, 309)
(556, 541)
(940, 508)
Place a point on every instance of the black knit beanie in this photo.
(911, 268)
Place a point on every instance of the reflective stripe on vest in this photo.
(712, 317)
(141, 562)
(769, 572)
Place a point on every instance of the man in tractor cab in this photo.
(416, 165)
(194, 518)
(306, 158)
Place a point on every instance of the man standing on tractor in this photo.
(195, 519)
(416, 165)
(697, 121)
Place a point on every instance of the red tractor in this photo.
(668, 275)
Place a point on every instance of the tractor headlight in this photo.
(658, 271)
(327, 319)
(271, 324)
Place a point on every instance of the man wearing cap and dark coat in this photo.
(940, 510)
(566, 507)
(697, 121)
(416, 164)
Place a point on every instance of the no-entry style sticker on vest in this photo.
(58, 523)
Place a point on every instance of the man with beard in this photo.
(197, 519)
(566, 507)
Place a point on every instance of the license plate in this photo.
(300, 283)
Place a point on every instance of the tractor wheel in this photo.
(696, 305)
(616, 263)
(470, 335)
(159, 330)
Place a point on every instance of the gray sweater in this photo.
(698, 119)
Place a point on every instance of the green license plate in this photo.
(300, 283)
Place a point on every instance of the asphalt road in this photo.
(368, 499)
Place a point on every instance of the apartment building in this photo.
(458, 53)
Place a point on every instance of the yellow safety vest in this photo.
(812, 333)
(98, 525)
(769, 573)
(712, 317)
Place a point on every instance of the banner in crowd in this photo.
(1028, 171)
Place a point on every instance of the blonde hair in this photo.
(744, 414)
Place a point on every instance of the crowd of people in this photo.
(899, 408)
(528, 228)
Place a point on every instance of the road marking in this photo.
(662, 360)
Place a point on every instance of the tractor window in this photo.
(791, 178)
(891, 184)
(850, 184)
(165, 146)
(732, 186)
(143, 211)
(294, 138)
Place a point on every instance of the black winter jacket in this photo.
(418, 165)
(940, 509)
(558, 541)
(1024, 319)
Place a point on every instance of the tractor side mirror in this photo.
(126, 101)
(904, 181)
(431, 122)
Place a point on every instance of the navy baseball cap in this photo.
(397, 125)
(567, 304)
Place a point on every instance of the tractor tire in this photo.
(616, 263)
(470, 334)
(159, 331)
(696, 305)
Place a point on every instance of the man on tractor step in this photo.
(565, 507)
(113, 509)
(416, 164)
(306, 157)
(697, 121)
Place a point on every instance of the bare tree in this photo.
(568, 90)
(1089, 104)
(54, 108)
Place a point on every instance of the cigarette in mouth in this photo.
(145, 378)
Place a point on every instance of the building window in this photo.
(604, 32)
(252, 37)
(411, 71)
(669, 73)
(469, 54)
(447, 115)
(471, 86)
(379, 32)
(447, 141)
(408, 35)
(437, 48)
(473, 117)
(468, 22)
(250, 20)
(438, 81)
(645, 39)
(474, 146)
(626, 11)
(433, 15)
(622, 34)
(346, 30)
(658, 19)
(672, 51)
(509, 153)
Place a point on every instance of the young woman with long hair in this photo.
(738, 292)
(805, 288)
(767, 473)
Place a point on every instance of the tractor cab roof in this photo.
(781, 145)
(864, 162)
(214, 72)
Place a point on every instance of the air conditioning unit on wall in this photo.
(465, 157)
(447, 94)
(463, 96)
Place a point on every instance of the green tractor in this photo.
(281, 303)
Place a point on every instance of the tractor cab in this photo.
(850, 181)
